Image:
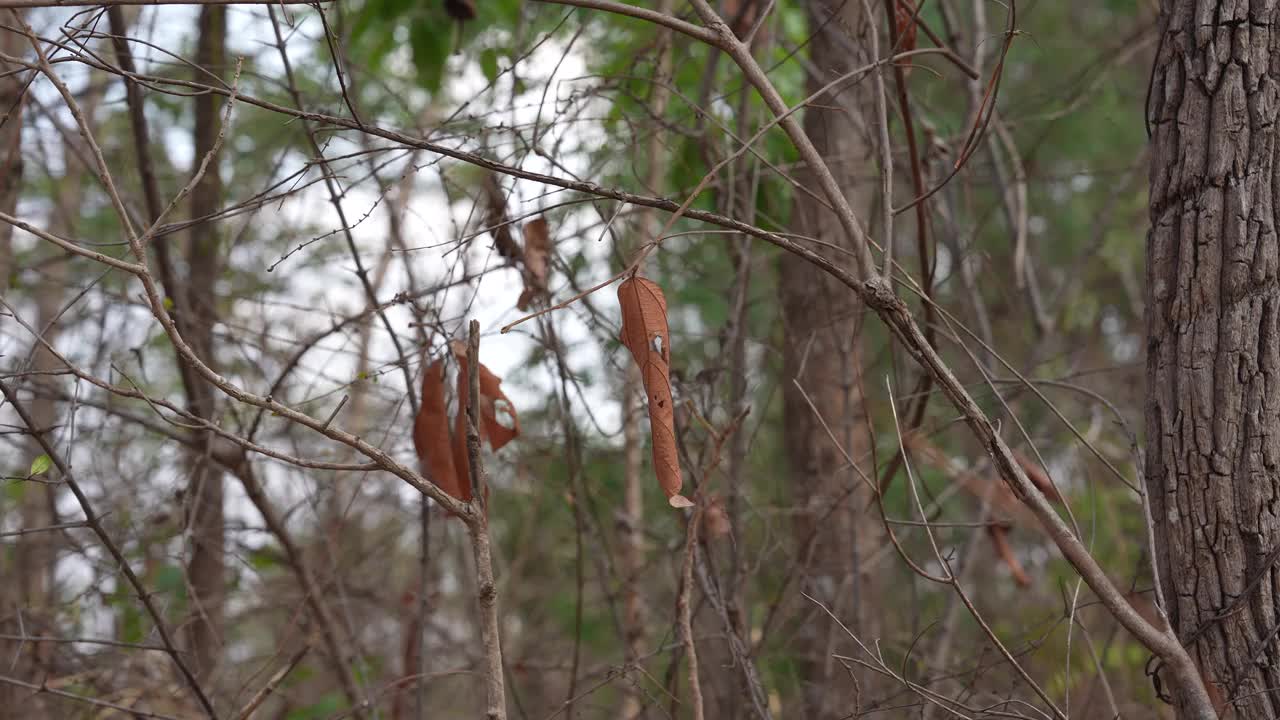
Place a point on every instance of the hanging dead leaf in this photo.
(499, 423)
(495, 217)
(904, 31)
(645, 334)
(741, 15)
(459, 350)
(1038, 477)
(431, 432)
(1004, 504)
(461, 458)
(537, 257)
(460, 9)
(999, 537)
(715, 521)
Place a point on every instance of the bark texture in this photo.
(12, 84)
(822, 320)
(1213, 362)
(207, 565)
(13, 595)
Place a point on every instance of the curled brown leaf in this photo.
(499, 423)
(1000, 538)
(1038, 477)
(495, 202)
(645, 333)
(537, 259)
(431, 433)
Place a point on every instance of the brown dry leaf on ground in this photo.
(646, 335)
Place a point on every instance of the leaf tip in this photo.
(679, 501)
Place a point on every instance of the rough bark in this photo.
(1213, 353)
(207, 564)
(822, 319)
(11, 96)
(11, 103)
(11, 93)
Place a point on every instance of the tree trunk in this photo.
(207, 564)
(12, 83)
(1213, 352)
(822, 322)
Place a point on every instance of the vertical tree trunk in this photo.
(11, 88)
(36, 554)
(822, 321)
(207, 565)
(1213, 352)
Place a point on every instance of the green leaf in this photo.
(40, 465)
(328, 705)
(489, 64)
(431, 42)
(170, 579)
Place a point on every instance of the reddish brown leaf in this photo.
(999, 537)
(1038, 477)
(645, 334)
(904, 29)
(495, 216)
(499, 423)
(431, 433)
(460, 457)
(537, 257)
(715, 521)
(460, 9)
(741, 15)
(1004, 504)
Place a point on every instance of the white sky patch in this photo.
(316, 297)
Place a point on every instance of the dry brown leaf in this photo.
(645, 334)
(905, 29)
(1038, 477)
(499, 423)
(462, 10)
(1004, 504)
(537, 260)
(495, 217)
(741, 15)
(715, 520)
(431, 432)
(460, 456)
(999, 537)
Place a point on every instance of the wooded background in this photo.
(898, 370)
